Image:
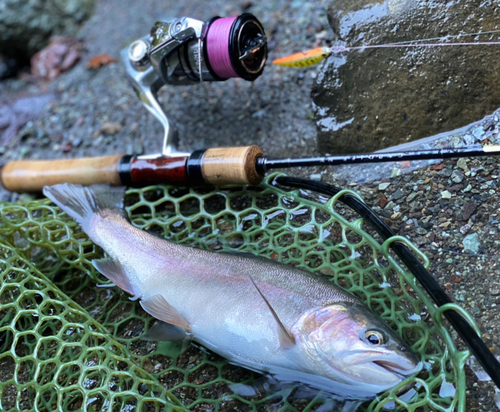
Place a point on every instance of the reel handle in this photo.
(217, 166)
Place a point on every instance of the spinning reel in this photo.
(186, 51)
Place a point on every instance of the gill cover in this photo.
(350, 345)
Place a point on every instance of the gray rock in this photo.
(390, 206)
(471, 243)
(411, 197)
(369, 99)
(15, 114)
(465, 229)
(421, 231)
(457, 177)
(445, 172)
(26, 26)
(462, 164)
(468, 210)
(398, 194)
(446, 195)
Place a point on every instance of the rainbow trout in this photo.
(255, 312)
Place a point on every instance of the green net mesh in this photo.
(67, 345)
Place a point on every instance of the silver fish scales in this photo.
(255, 312)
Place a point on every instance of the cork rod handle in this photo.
(231, 165)
(33, 175)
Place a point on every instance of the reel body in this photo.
(186, 51)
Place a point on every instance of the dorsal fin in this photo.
(286, 339)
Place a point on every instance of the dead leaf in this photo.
(406, 164)
(62, 53)
(66, 146)
(383, 200)
(100, 60)
(440, 166)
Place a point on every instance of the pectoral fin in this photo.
(286, 339)
(158, 307)
(114, 271)
(162, 331)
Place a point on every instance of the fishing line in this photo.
(451, 36)
(217, 43)
(411, 43)
(313, 56)
(340, 49)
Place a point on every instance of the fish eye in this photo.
(374, 337)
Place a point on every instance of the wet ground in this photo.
(436, 209)
(359, 99)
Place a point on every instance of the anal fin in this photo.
(114, 271)
(158, 307)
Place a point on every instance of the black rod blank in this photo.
(264, 164)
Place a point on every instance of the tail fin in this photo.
(81, 203)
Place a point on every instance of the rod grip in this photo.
(232, 165)
(33, 175)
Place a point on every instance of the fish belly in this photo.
(224, 309)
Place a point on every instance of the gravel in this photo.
(460, 234)
(97, 113)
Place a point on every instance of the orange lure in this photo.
(304, 59)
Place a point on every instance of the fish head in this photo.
(350, 344)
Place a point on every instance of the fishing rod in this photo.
(245, 165)
(188, 51)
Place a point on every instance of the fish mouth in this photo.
(403, 374)
(400, 369)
